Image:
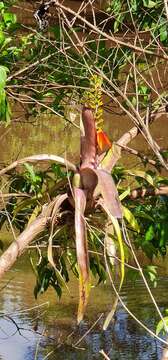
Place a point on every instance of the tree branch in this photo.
(18, 246)
(36, 158)
(114, 153)
(144, 192)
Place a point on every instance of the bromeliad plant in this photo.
(88, 187)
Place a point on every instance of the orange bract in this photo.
(103, 141)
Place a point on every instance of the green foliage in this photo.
(152, 219)
(59, 172)
(46, 276)
(145, 15)
(162, 326)
(98, 269)
(150, 272)
(34, 180)
(4, 105)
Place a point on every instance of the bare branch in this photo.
(114, 39)
(144, 192)
(18, 246)
(36, 158)
(114, 153)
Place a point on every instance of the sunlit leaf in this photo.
(9, 18)
(150, 233)
(3, 76)
(151, 272)
(161, 326)
(125, 194)
(122, 255)
(141, 174)
(131, 219)
(110, 315)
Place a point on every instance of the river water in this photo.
(46, 328)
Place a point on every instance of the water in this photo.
(46, 328)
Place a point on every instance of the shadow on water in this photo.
(47, 328)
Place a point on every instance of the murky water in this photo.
(47, 328)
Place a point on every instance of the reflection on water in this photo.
(29, 332)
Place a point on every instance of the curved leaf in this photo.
(141, 174)
(81, 251)
(109, 193)
(122, 256)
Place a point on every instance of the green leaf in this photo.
(151, 271)
(142, 214)
(2, 6)
(141, 174)
(31, 171)
(161, 326)
(2, 38)
(163, 33)
(149, 3)
(125, 194)
(131, 219)
(150, 233)
(9, 18)
(5, 112)
(3, 76)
